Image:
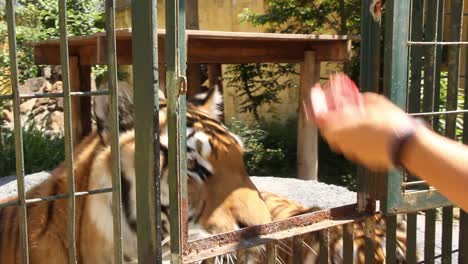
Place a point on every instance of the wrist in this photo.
(403, 139)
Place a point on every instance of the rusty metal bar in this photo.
(54, 95)
(411, 241)
(271, 253)
(114, 130)
(391, 239)
(297, 249)
(55, 197)
(463, 238)
(429, 236)
(261, 234)
(369, 247)
(324, 239)
(348, 243)
(64, 59)
(23, 224)
(447, 229)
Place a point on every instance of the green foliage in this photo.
(41, 152)
(271, 150)
(38, 20)
(306, 17)
(259, 83)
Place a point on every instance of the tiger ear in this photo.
(208, 101)
(125, 108)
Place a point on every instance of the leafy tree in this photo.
(38, 20)
(261, 82)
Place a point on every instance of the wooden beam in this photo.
(207, 47)
(307, 134)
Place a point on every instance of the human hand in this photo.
(364, 134)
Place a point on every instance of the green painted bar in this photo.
(438, 64)
(411, 239)
(19, 154)
(297, 249)
(456, 20)
(417, 21)
(114, 113)
(396, 78)
(429, 237)
(447, 229)
(370, 50)
(421, 200)
(271, 252)
(348, 244)
(176, 117)
(145, 76)
(324, 238)
(391, 246)
(430, 33)
(71, 227)
(369, 247)
(463, 238)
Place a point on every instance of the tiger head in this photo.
(221, 196)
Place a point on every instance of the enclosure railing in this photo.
(144, 20)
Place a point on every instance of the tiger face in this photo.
(221, 197)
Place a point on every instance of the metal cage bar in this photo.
(176, 118)
(114, 140)
(10, 12)
(391, 239)
(429, 236)
(411, 238)
(64, 59)
(348, 243)
(145, 76)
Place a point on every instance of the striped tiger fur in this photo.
(221, 196)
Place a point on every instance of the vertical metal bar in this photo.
(438, 63)
(429, 236)
(114, 112)
(414, 100)
(456, 20)
(370, 50)
(145, 77)
(447, 228)
(391, 242)
(176, 116)
(411, 229)
(463, 239)
(430, 34)
(396, 78)
(324, 240)
(23, 224)
(271, 252)
(68, 130)
(369, 247)
(297, 249)
(348, 243)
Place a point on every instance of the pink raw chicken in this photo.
(339, 93)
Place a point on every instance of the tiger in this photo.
(221, 196)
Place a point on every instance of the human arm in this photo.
(365, 135)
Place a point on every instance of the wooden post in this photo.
(75, 86)
(215, 77)
(307, 134)
(85, 101)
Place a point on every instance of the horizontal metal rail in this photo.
(436, 43)
(262, 234)
(54, 95)
(55, 197)
(452, 112)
